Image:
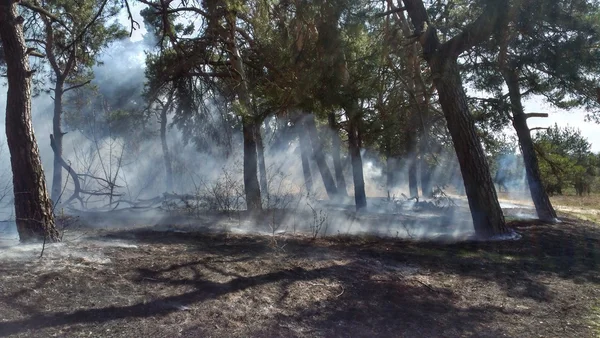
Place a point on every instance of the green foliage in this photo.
(73, 46)
(552, 45)
(566, 160)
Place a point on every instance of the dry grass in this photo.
(585, 207)
(591, 201)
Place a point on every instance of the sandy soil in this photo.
(166, 282)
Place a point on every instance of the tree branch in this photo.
(391, 11)
(529, 115)
(84, 30)
(131, 20)
(44, 12)
(77, 86)
(479, 30)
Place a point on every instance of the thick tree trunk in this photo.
(165, 146)
(57, 183)
(262, 167)
(304, 156)
(337, 161)
(540, 198)
(360, 197)
(488, 218)
(442, 59)
(33, 208)
(319, 156)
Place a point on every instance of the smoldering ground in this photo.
(207, 191)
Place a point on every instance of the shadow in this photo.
(392, 310)
(364, 306)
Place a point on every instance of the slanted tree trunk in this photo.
(487, 215)
(360, 197)
(488, 218)
(165, 145)
(540, 198)
(262, 167)
(319, 156)
(337, 161)
(33, 208)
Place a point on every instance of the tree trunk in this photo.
(165, 146)
(411, 158)
(488, 218)
(540, 198)
(389, 174)
(487, 215)
(33, 208)
(251, 185)
(304, 155)
(319, 156)
(57, 184)
(337, 161)
(262, 167)
(416, 83)
(360, 197)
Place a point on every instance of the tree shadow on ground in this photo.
(364, 307)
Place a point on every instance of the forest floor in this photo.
(147, 283)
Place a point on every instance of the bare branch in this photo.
(77, 86)
(44, 12)
(131, 20)
(530, 115)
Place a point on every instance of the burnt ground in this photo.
(145, 283)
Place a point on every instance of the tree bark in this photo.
(251, 185)
(33, 208)
(540, 198)
(488, 219)
(57, 185)
(304, 155)
(319, 156)
(360, 197)
(337, 161)
(262, 167)
(411, 158)
(165, 145)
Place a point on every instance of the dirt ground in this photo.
(146, 283)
